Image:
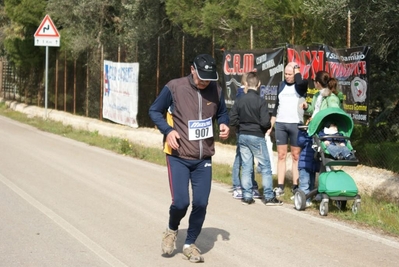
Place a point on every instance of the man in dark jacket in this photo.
(250, 114)
(191, 104)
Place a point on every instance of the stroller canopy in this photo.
(337, 116)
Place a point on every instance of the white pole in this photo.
(45, 85)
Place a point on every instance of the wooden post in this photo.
(56, 82)
(65, 81)
(182, 57)
(251, 38)
(119, 53)
(87, 87)
(158, 55)
(348, 31)
(292, 30)
(213, 44)
(102, 82)
(74, 86)
(137, 53)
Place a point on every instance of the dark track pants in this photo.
(180, 172)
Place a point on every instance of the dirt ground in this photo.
(369, 180)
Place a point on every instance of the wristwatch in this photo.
(296, 67)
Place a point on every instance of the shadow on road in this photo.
(205, 242)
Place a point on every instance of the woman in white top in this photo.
(285, 119)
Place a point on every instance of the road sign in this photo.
(47, 34)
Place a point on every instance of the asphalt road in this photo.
(65, 203)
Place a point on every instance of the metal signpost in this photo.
(47, 35)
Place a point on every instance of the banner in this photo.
(121, 89)
(350, 66)
(267, 63)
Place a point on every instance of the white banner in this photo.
(121, 92)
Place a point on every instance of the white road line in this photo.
(90, 244)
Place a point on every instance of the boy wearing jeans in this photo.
(250, 114)
(307, 164)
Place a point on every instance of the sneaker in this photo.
(237, 193)
(247, 201)
(292, 197)
(192, 253)
(308, 203)
(272, 202)
(169, 241)
(255, 194)
(278, 192)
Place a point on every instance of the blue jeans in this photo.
(337, 151)
(236, 170)
(306, 180)
(255, 147)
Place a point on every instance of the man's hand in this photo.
(172, 139)
(224, 131)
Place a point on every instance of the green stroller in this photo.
(335, 185)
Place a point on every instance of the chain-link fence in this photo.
(75, 82)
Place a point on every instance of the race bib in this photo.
(200, 129)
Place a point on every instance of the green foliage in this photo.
(28, 13)
(25, 17)
(86, 24)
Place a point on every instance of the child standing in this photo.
(307, 164)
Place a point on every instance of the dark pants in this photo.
(181, 172)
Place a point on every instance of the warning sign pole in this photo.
(47, 35)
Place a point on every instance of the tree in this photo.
(229, 21)
(25, 17)
(373, 23)
(21, 20)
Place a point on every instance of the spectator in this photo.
(237, 192)
(250, 114)
(326, 97)
(285, 120)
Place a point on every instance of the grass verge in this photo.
(376, 214)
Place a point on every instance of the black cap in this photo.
(205, 67)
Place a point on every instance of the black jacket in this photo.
(250, 113)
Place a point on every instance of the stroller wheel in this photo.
(356, 206)
(323, 210)
(299, 200)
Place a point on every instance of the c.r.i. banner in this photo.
(120, 98)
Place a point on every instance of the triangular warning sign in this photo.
(47, 28)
